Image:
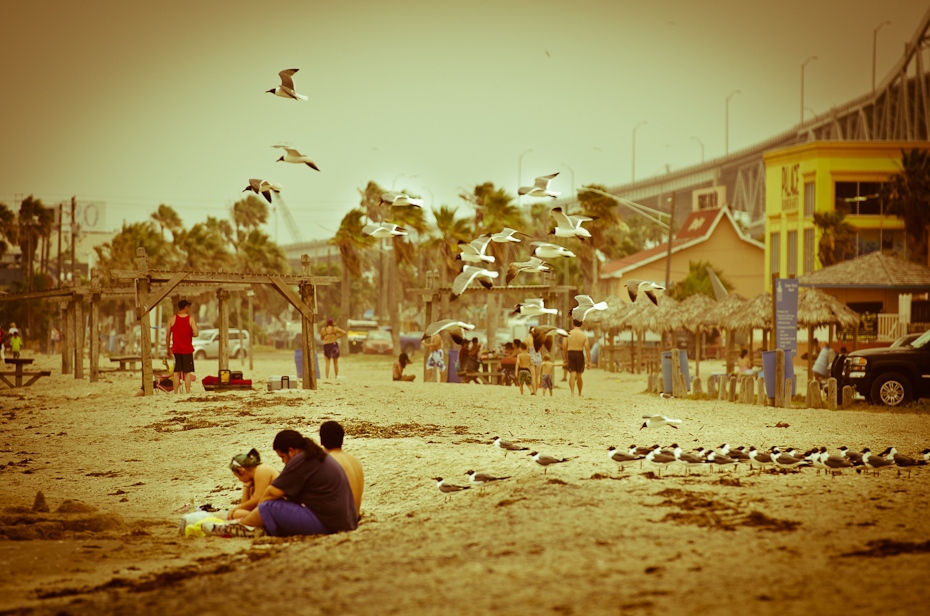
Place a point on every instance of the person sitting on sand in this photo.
(744, 365)
(525, 370)
(332, 436)
(402, 362)
(255, 477)
(547, 374)
(311, 496)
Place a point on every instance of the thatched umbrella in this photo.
(608, 321)
(667, 316)
(722, 313)
(756, 314)
(638, 318)
(692, 311)
(816, 309)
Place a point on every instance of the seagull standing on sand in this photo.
(659, 459)
(622, 457)
(382, 230)
(535, 264)
(545, 250)
(286, 89)
(873, 462)
(475, 250)
(540, 188)
(448, 488)
(657, 421)
(480, 479)
(569, 226)
(688, 459)
(263, 188)
(294, 156)
(468, 275)
(586, 305)
(506, 446)
(453, 326)
(546, 461)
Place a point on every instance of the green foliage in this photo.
(907, 195)
(837, 240)
(697, 281)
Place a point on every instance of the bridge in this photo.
(898, 109)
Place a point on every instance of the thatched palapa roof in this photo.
(756, 314)
(639, 315)
(874, 270)
(693, 310)
(667, 316)
(816, 308)
(724, 309)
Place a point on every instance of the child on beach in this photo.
(16, 344)
(525, 370)
(546, 370)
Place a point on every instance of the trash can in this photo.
(452, 366)
(667, 370)
(299, 360)
(768, 372)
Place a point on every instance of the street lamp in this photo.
(701, 143)
(520, 175)
(874, 45)
(633, 168)
(802, 85)
(726, 136)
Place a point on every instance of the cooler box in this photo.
(299, 360)
(283, 382)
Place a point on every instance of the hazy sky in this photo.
(137, 104)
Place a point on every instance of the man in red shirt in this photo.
(180, 342)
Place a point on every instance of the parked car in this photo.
(905, 340)
(378, 341)
(207, 344)
(357, 332)
(411, 341)
(892, 375)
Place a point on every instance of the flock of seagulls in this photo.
(659, 458)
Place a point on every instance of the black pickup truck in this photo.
(891, 376)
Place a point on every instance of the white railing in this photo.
(890, 327)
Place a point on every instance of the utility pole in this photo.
(668, 260)
(61, 221)
(74, 280)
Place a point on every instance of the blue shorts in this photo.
(283, 518)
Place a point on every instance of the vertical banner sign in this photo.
(786, 314)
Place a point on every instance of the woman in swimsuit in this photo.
(330, 335)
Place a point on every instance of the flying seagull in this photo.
(569, 226)
(532, 307)
(657, 421)
(634, 288)
(540, 188)
(263, 188)
(535, 264)
(293, 156)
(543, 336)
(469, 274)
(400, 199)
(382, 230)
(474, 251)
(585, 305)
(286, 89)
(506, 235)
(453, 326)
(545, 250)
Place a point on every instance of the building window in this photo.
(808, 250)
(859, 198)
(792, 253)
(808, 199)
(775, 243)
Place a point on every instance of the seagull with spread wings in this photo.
(540, 188)
(263, 188)
(535, 264)
(382, 230)
(475, 250)
(292, 155)
(545, 250)
(455, 328)
(286, 89)
(634, 288)
(544, 336)
(569, 226)
(532, 307)
(585, 305)
(468, 275)
(400, 199)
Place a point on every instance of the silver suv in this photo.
(207, 344)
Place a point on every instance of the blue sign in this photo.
(786, 314)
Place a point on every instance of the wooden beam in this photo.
(542, 288)
(281, 286)
(164, 290)
(223, 278)
(145, 322)
(222, 297)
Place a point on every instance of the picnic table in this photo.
(486, 375)
(18, 373)
(123, 360)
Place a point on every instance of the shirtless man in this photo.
(332, 435)
(525, 370)
(579, 356)
(330, 335)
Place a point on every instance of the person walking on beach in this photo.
(547, 374)
(436, 363)
(578, 350)
(525, 370)
(16, 344)
(331, 335)
(180, 342)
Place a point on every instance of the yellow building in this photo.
(826, 176)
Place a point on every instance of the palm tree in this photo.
(449, 231)
(35, 222)
(205, 246)
(350, 242)
(907, 195)
(9, 228)
(167, 218)
(697, 281)
(837, 240)
(120, 252)
(608, 231)
(411, 219)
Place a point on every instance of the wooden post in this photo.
(831, 394)
(760, 385)
(78, 336)
(676, 370)
(711, 387)
(428, 319)
(813, 389)
(698, 386)
(66, 333)
(222, 296)
(145, 320)
(722, 388)
(848, 395)
(789, 387)
(251, 296)
(94, 325)
(732, 394)
(779, 378)
(308, 296)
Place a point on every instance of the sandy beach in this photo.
(581, 537)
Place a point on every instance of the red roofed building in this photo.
(710, 235)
